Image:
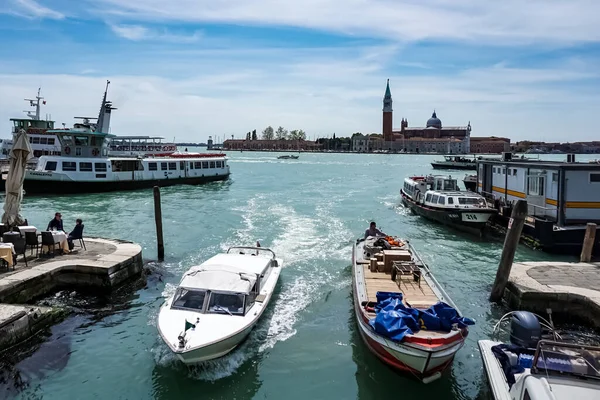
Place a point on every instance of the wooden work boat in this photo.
(425, 353)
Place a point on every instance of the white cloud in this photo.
(31, 9)
(508, 21)
(139, 32)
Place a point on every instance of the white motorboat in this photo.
(218, 303)
(533, 368)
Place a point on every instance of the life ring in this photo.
(67, 150)
(95, 152)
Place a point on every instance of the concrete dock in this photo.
(105, 263)
(569, 289)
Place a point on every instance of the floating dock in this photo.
(569, 289)
(104, 265)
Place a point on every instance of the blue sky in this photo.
(193, 68)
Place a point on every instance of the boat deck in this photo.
(418, 296)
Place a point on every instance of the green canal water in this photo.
(309, 211)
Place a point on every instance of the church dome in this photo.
(434, 121)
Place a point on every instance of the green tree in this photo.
(254, 135)
(248, 136)
(268, 133)
(281, 133)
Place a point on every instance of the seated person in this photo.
(373, 231)
(76, 233)
(56, 223)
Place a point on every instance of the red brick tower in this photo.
(388, 119)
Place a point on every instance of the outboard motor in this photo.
(525, 329)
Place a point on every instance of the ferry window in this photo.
(69, 166)
(172, 165)
(198, 165)
(85, 166)
(163, 166)
(509, 171)
(182, 165)
(152, 166)
(428, 197)
(594, 178)
(43, 140)
(78, 151)
(515, 172)
(36, 140)
(191, 165)
(503, 171)
(30, 139)
(442, 200)
(226, 303)
(81, 140)
(50, 140)
(204, 164)
(51, 166)
(100, 167)
(212, 164)
(435, 198)
(555, 177)
(450, 200)
(535, 185)
(192, 299)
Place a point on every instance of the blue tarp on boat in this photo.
(395, 320)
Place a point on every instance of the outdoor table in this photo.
(27, 228)
(6, 253)
(10, 237)
(61, 238)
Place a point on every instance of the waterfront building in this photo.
(435, 137)
(489, 145)
(271, 145)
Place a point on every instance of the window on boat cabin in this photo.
(442, 200)
(594, 178)
(69, 166)
(182, 165)
(225, 303)
(468, 200)
(50, 165)
(503, 171)
(152, 166)
(514, 171)
(50, 140)
(77, 151)
(100, 167)
(35, 140)
(81, 140)
(428, 197)
(172, 166)
(67, 140)
(85, 166)
(508, 171)
(190, 299)
(43, 140)
(450, 184)
(198, 164)
(218, 164)
(204, 164)
(555, 177)
(212, 164)
(535, 185)
(450, 200)
(434, 199)
(163, 166)
(191, 165)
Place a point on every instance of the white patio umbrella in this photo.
(19, 155)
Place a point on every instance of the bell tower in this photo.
(388, 118)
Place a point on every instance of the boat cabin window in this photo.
(163, 166)
(81, 140)
(100, 167)
(450, 200)
(434, 199)
(34, 140)
(43, 140)
(85, 166)
(226, 303)
(535, 185)
(69, 166)
(468, 200)
(172, 166)
(594, 178)
(514, 171)
(189, 299)
(152, 166)
(50, 165)
(191, 165)
(126, 165)
(212, 164)
(442, 200)
(67, 140)
(204, 164)
(428, 197)
(198, 164)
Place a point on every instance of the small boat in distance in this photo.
(534, 367)
(455, 162)
(438, 198)
(218, 302)
(403, 314)
(470, 182)
(288, 157)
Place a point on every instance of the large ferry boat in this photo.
(84, 165)
(439, 198)
(455, 162)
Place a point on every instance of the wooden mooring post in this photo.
(588, 242)
(513, 234)
(158, 220)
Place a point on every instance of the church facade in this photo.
(432, 138)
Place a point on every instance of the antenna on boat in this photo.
(104, 114)
(35, 103)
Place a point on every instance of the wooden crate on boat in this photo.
(380, 266)
(389, 256)
(373, 264)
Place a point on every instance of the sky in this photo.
(187, 69)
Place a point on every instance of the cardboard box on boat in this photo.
(389, 256)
